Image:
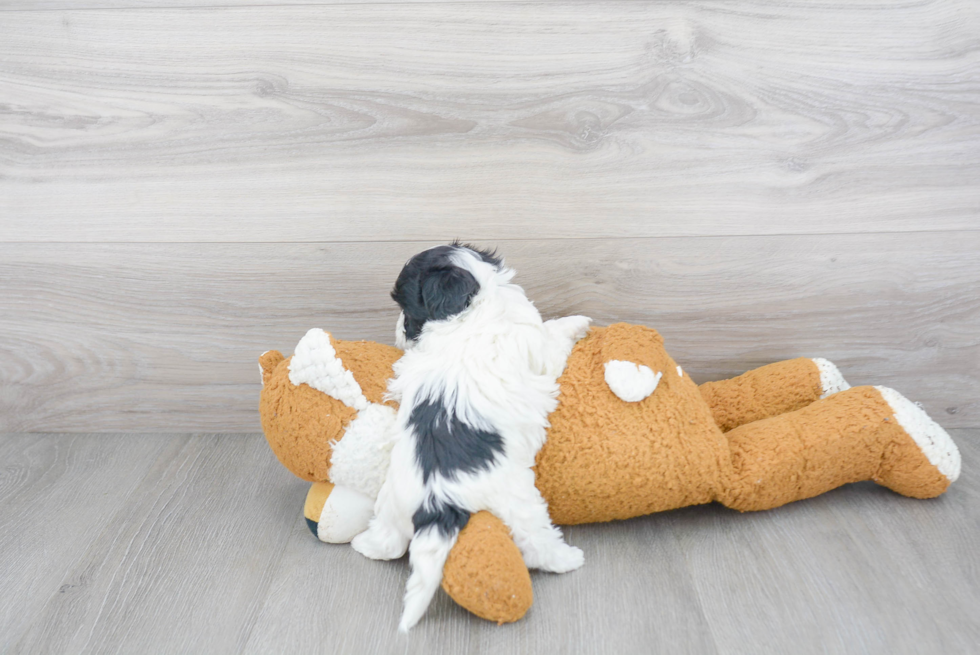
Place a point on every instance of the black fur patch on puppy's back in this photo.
(448, 519)
(431, 287)
(447, 446)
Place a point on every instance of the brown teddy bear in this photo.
(632, 435)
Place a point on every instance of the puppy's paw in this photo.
(559, 559)
(574, 327)
(345, 514)
(564, 559)
(380, 542)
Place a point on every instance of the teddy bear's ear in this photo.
(316, 364)
(631, 382)
(268, 361)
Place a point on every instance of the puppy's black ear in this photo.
(446, 291)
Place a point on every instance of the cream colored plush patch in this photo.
(631, 382)
(935, 442)
(316, 364)
(360, 459)
(831, 380)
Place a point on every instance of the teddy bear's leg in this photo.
(771, 390)
(335, 513)
(864, 433)
(485, 572)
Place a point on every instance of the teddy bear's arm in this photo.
(771, 390)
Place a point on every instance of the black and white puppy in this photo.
(476, 385)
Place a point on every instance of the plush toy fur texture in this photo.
(300, 422)
(783, 432)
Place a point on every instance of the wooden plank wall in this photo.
(183, 187)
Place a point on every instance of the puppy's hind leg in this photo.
(519, 504)
(390, 529)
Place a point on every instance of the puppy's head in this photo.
(440, 283)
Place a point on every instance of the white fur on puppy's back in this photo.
(493, 368)
(494, 362)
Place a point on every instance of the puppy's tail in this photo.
(437, 525)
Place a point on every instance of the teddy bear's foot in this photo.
(923, 461)
(336, 514)
(831, 379)
(862, 433)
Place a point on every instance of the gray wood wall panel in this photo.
(166, 336)
(419, 121)
(198, 545)
(76, 5)
(184, 187)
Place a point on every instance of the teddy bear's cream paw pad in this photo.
(631, 382)
(934, 442)
(831, 380)
(316, 364)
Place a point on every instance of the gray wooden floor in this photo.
(194, 544)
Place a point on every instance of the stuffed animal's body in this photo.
(632, 434)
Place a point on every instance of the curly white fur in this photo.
(494, 367)
(359, 461)
(316, 363)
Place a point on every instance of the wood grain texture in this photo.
(167, 336)
(208, 552)
(57, 495)
(420, 121)
(83, 5)
(185, 567)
